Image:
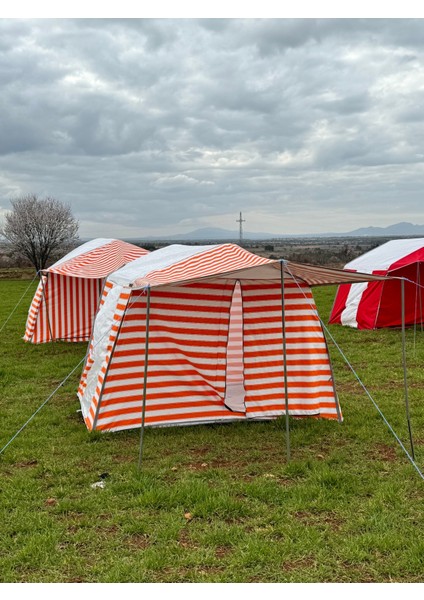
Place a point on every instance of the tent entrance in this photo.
(234, 379)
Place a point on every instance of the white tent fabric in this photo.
(371, 305)
(385, 255)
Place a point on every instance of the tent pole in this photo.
(404, 368)
(47, 306)
(146, 357)
(286, 389)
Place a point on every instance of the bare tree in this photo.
(38, 228)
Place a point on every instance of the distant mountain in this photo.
(399, 229)
(216, 233)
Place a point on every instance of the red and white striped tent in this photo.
(67, 297)
(194, 334)
(376, 304)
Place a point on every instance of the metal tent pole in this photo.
(146, 358)
(404, 368)
(286, 389)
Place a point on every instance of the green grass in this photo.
(346, 508)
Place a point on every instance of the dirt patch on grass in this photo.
(328, 519)
(222, 551)
(384, 453)
(188, 575)
(140, 541)
(299, 564)
(198, 466)
(25, 464)
(185, 541)
(349, 387)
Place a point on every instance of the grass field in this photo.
(215, 503)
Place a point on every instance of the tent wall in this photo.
(186, 363)
(310, 382)
(36, 316)
(377, 304)
(105, 330)
(390, 307)
(66, 300)
(66, 306)
(193, 358)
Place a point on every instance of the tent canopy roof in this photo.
(178, 264)
(391, 255)
(96, 259)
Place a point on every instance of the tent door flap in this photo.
(235, 392)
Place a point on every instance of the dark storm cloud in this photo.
(164, 125)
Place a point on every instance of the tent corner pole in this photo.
(286, 387)
(146, 358)
(405, 379)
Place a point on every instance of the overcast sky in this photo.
(161, 126)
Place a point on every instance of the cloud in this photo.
(148, 126)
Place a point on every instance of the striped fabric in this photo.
(99, 262)
(215, 348)
(65, 309)
(192, 365)
(100, 351)
(210, 262)
(67, 297)
(376, 304)
(314, 275)
(186, 365)
(36, 311)
(311, 389)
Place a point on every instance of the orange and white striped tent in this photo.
(68, 294)
(201, 334)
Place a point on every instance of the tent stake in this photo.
(404, 368)
(146, 357)
(286, 389)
